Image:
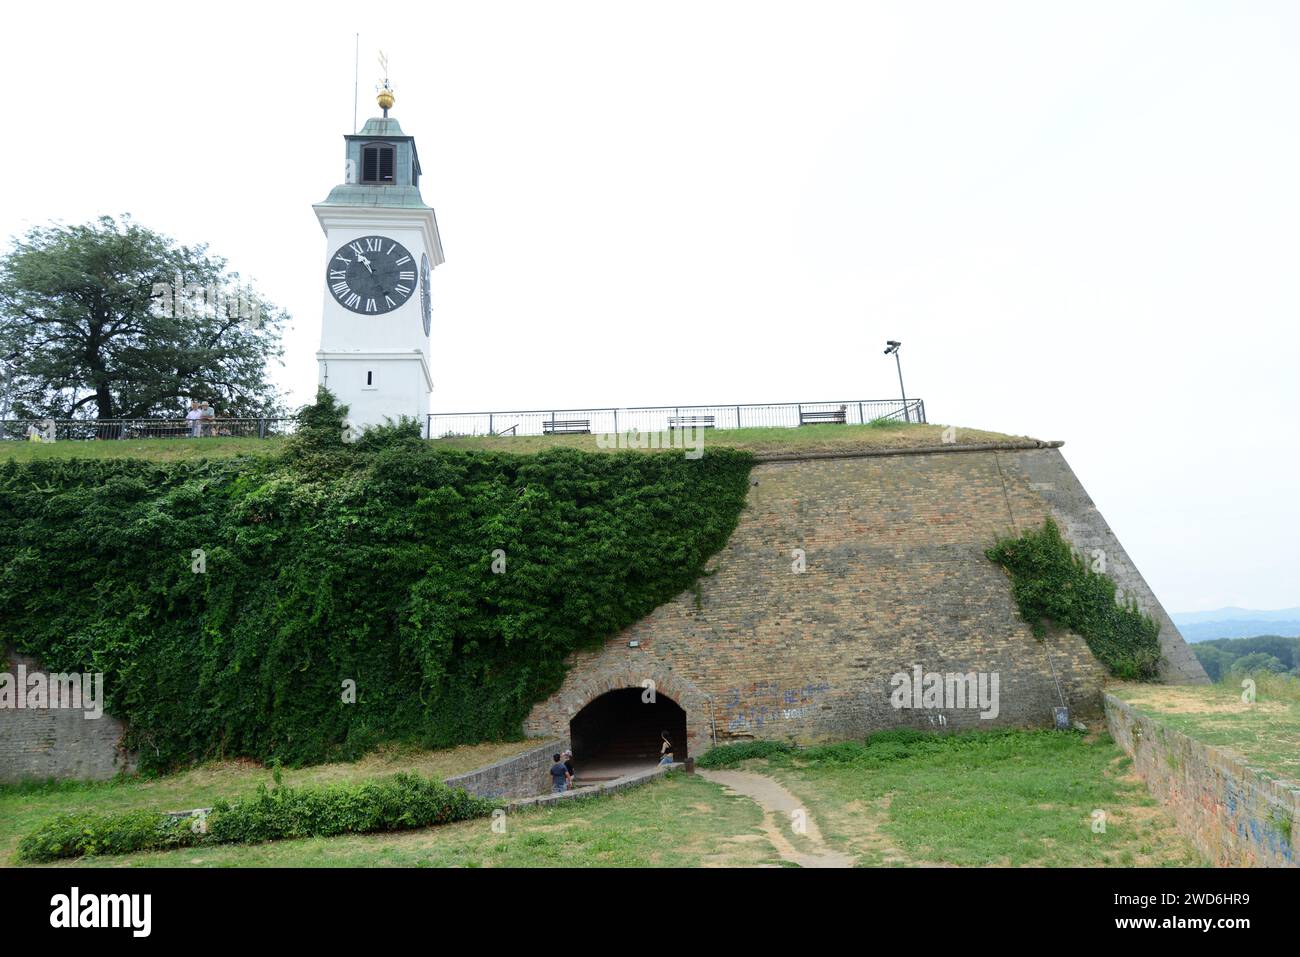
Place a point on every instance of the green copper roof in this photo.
(402, 191)
(381, 126)
(357, 194)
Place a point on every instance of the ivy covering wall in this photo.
(1051, 583)
(369, 562)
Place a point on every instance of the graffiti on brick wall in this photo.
(767, 702)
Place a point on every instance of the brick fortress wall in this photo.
(895, 576)
(40, 743)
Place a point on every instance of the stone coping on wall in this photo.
(1234, 813)
(861, 453)
(516, 776)
(624, 783)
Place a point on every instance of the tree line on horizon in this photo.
(1224, 657)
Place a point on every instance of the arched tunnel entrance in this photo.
(619, 732)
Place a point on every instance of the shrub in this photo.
(77, 835)
(731, 755)
(393, 803)
(1050, 582)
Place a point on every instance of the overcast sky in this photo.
(1080, 219)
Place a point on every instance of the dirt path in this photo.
(779, 810)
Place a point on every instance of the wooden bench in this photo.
(690, 421)
(836, 417)
(566, 427)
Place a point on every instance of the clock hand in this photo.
(365, 262)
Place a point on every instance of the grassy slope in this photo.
(1266, 732)
(1021, 800)
(23, 807)
(810, 438)
(679, 821)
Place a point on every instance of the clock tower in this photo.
(381, 244)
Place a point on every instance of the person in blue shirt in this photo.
(567, 758)
(559, 776)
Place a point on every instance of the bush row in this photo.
(398, 802)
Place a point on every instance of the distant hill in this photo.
(1237, 623)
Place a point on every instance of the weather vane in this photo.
(385, 98)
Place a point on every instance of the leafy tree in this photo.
(1223, 656)
(1257, 661)
(113, 320)
(1215, 661)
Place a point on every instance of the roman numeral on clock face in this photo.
(403, 261)
(352, 301)
(370, 305)
(404, 290)
(407, 274)
(340, 288)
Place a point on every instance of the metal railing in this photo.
(655, 418)
(116, 429)
(444, 424)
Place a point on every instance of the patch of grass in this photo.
(680, 821)
(396, 802)
(1265, 733)
(152, 450)
(1014, 798)
(890, 434)
(1002, 798)
(24, 807)
(877, 434)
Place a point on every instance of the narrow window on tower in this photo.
(370, 378)
(377, 164)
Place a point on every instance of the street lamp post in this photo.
(892, 347)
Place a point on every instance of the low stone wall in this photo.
(1234, 815)
(522, 776)
(624, 783)
(43, 743)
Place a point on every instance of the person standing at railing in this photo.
(195, 418)
(209, 415)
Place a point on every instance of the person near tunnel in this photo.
(665, 749)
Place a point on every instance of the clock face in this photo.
(371, 275)
(426, 304)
